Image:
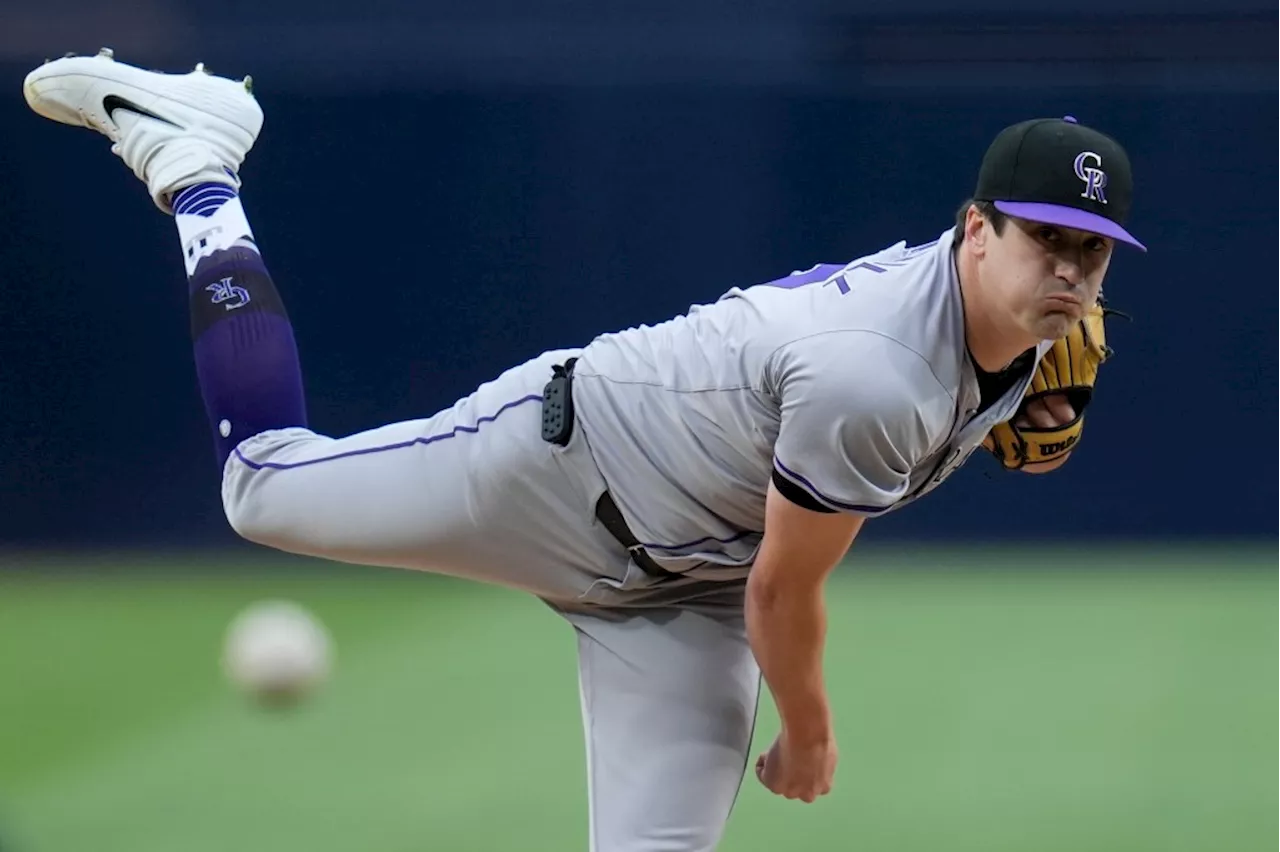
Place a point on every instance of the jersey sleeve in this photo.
(859, 412)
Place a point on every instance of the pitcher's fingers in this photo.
(1060, 409)
(1038, 415)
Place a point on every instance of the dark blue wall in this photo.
(423, 242)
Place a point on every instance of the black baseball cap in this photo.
(1057, 171)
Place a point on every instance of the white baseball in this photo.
(277, 651)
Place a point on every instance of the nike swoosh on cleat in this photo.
(111, 103)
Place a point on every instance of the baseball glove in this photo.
(1069, 368)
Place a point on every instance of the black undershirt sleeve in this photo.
(798, 495)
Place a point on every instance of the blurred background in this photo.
(1080, 661)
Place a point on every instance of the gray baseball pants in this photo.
(668, 682)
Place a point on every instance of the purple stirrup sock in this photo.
(245, 353)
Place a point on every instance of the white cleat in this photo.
(173, 130)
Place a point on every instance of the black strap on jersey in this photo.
(557, 428)
(611, 519)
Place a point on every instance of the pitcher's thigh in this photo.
(669, 703)
(374, 497)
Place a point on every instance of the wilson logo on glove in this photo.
(1069, 368)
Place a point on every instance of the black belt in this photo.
(610, 518)
(557, 428)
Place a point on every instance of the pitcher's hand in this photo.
(796, 771)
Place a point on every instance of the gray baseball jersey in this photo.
(851, 381)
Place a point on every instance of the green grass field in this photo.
(1122, 700)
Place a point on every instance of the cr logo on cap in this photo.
(1095, 179)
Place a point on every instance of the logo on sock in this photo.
(225, 291)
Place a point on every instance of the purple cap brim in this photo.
(1067, 217)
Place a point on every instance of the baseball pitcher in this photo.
(679, 493)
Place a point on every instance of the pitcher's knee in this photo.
(646, 833)
(245, 514)
(262, 503)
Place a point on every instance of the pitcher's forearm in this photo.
(786, 627)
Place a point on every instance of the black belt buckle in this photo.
(557, 405)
